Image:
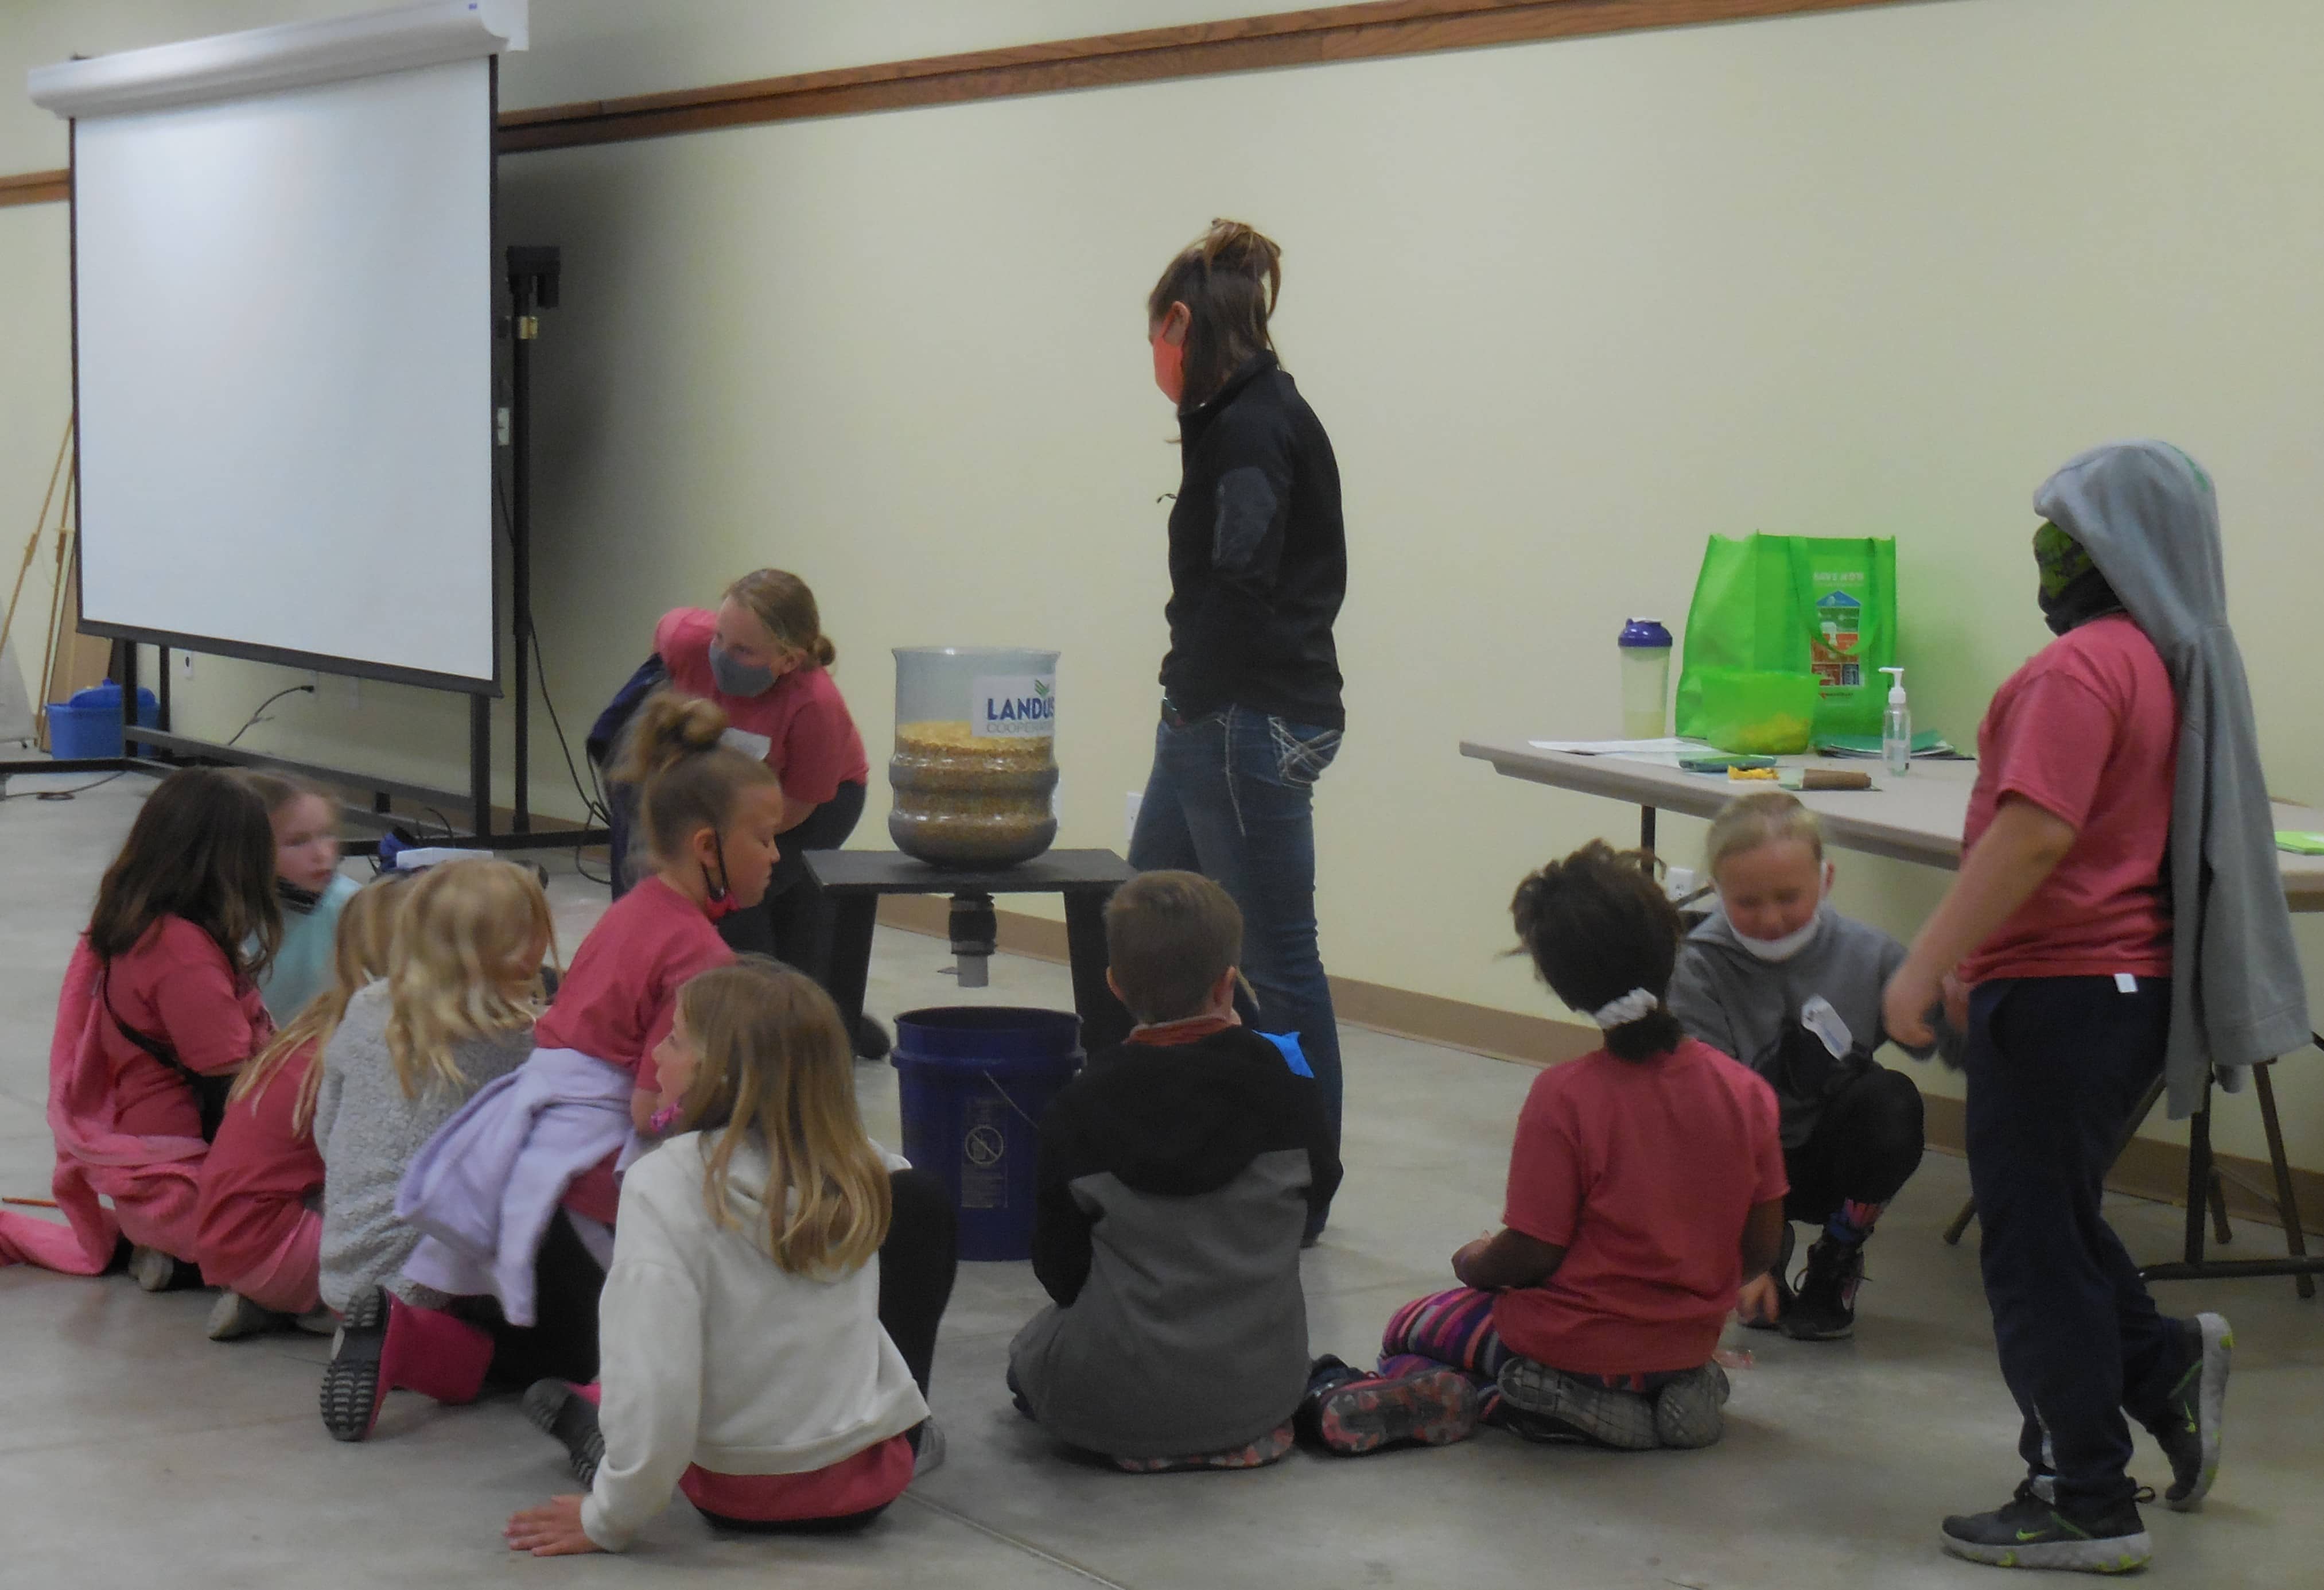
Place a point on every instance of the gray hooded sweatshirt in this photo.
(2146, 514)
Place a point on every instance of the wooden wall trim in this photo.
(1294, 38)
(35, 188)
(1373, 31)
(2147, 1169)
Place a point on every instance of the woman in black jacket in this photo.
(1250, 705)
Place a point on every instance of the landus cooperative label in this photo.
(1014, 706)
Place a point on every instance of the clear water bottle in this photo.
(1896, 727)
(1646, 647)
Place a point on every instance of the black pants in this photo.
(563, 1345)
(784, 925)
(2056, 1065)
(1866, 1145)
(918, 1263)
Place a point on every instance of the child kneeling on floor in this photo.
(1780, 981)
(1646, 1186)
(777, 1283)
(454, 1012)
(1177, 1176)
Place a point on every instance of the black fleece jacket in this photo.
(1259, 556)
(1177, 1121)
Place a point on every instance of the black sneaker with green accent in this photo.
(1825, 1308)
(2189, 1424)
(2031, 1533)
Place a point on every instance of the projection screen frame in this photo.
(317, 662)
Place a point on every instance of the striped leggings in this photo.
(1456, 1328)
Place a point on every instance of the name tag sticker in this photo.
(754, 747)
(2126, 983)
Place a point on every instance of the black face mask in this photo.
(2084, 598)
(294, 898)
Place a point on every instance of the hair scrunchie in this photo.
(1632, 1006)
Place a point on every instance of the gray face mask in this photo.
(739, 679)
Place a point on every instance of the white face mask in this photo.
(1779, 949)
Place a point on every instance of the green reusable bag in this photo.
(1795, 604)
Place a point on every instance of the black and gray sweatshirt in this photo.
(1176, 1183)
(1259, 556)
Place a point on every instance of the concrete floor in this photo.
(132, 1451)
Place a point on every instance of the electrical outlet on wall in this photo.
(185, 665)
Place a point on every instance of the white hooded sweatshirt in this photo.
(712, 1355)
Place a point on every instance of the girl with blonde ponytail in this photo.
(783, 1385)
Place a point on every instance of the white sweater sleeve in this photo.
(651, 1319)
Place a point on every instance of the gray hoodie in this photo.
(2146, 514)
(1737, 1004)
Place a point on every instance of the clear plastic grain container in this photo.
(975, 774)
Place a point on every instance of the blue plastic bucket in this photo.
(974, 1082)
(90, 725)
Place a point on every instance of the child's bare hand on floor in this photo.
(551, 1529)
(1756, 1303)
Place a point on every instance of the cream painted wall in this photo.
(1565, 308)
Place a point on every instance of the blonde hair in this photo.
(781, 601)
(1767, 818)
(689, 778)
(776, 1065)
(464, 963)
(359, 952)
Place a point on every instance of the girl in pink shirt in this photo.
(1645, 1187)
(160, 1008)
(260, 1211)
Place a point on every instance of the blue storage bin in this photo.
(88, 726)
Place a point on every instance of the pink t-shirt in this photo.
(619, 998)
(2088, 732)
(258, 1175)
(812, 742)
(1644, 1172)
(175, 987)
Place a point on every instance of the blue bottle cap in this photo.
(1643, 632)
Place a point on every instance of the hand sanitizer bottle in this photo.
(1896, 727)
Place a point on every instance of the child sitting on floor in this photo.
(1177, 1176)
(539, 1153)
(261, 1210)
(1645, 1185)
(1791, 988)
(456, 1010)
(160, 1008)
(777, 1282)
(308, 887)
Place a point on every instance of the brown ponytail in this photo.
(1228, 279)
(690, 780)
(1598, 926)
(781, 602)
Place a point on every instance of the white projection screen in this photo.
(283, 295)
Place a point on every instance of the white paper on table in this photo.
(1661, 752)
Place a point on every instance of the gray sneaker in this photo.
(1688, 1410)
(931, 1455)
(2189, 1426)
(1592, 1412)
(234, 1316)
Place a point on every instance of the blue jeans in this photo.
(1231, 797)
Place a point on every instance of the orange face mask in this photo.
(1170, 365)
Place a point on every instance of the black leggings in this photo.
(785, 923)
(1866, 1145)
(918, 1263)
(565, 1284)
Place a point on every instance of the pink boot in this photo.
(385, 1344)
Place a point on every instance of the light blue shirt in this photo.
(302, 966)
